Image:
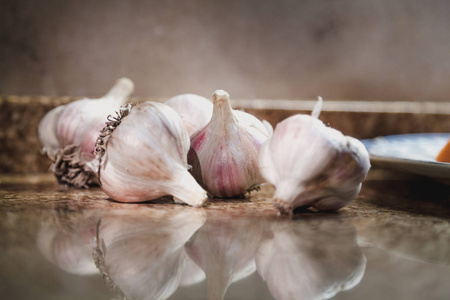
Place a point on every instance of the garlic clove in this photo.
(312, 165)
(143, 155)
(194, 110)
(224, 154)
(140, 252)
(224, 248)
(315, 259)
(69, 133)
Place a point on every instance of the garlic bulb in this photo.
(69, 132)
(194, 110)
(313, 259)
(140, 252)
(143, 155)
(224, 154)
(312, 165)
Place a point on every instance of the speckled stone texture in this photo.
(19, 144)
(395, 235)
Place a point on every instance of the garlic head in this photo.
(312, 165)
(143, 155)
(224, 154)
(69, 132)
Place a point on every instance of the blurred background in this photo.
(285, 49)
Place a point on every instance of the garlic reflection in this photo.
(140, 252)
(142, 155)
(69, 132)
(224, 154)
(68, 242)
(194, 110)
(225, 248)
(192, 273)
(314, 259)
(313, 165)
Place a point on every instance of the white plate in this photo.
(413, 153)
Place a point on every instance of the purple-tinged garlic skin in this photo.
(312, 165)
(224, 154)
(69, 132)
(143, 155)
(194, 110)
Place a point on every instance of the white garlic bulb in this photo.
(224, 154)
(194, 110)
(312, 165)
(143, 155)
(69, 132)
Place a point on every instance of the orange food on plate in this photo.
(444, 155)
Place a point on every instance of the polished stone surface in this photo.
(392, 242)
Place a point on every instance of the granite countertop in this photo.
(392, 242)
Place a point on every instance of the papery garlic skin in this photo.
(81, 121)
(73, 123)
(224, 154)
(312, 165)
(194, 110)
(69, 132)
(143, 156)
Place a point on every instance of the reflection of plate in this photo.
(410, 152)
